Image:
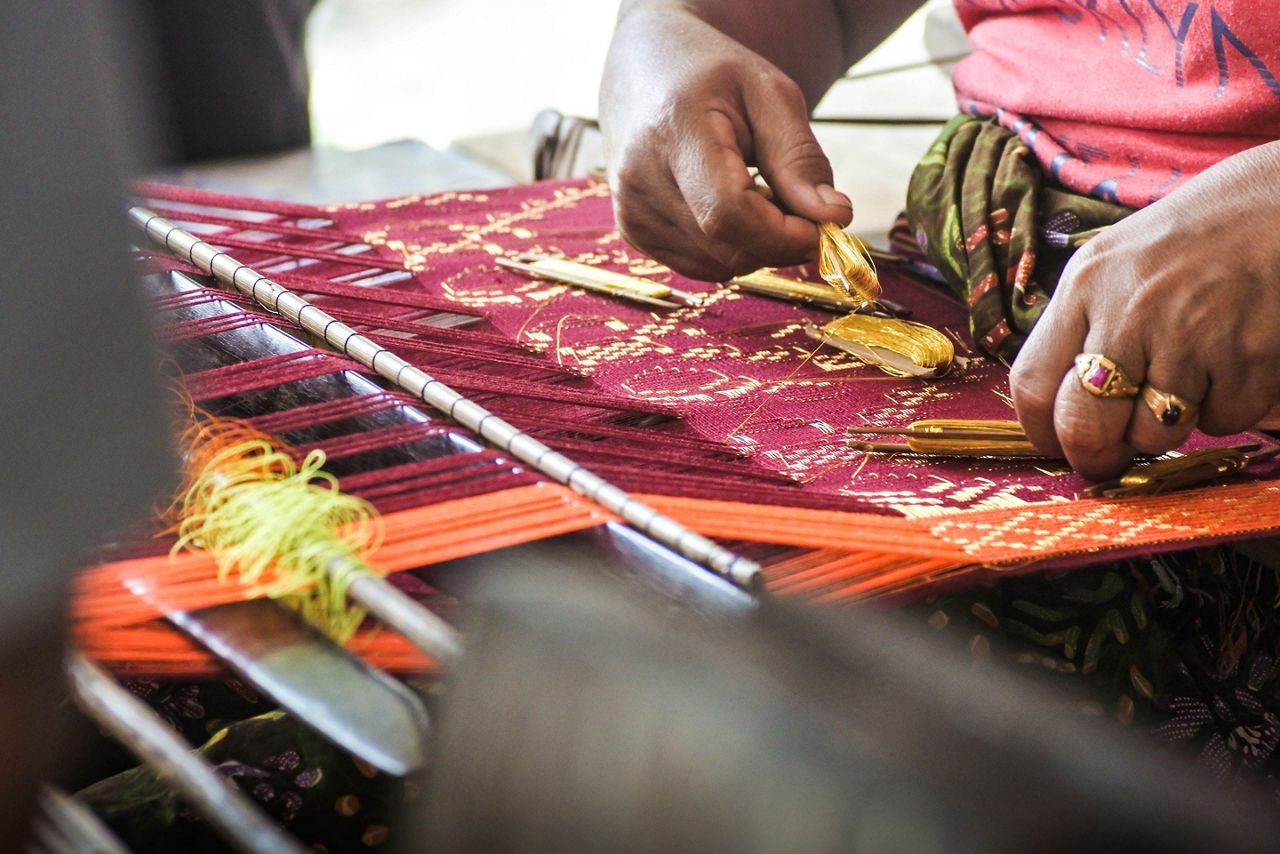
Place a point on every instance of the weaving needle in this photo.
(1206, 465)
(768, 283)
(280, 300)
(570, 279)
(599, 281)
(608, 278)
(953, 438)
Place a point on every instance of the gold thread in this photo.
(902, 348)
(844, 264)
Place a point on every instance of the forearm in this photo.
(812, 41)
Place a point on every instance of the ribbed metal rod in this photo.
(139, 728)
(276, 298)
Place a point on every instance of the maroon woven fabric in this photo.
(730, 399)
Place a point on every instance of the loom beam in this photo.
(432, 391)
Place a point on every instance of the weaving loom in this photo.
(724, 416)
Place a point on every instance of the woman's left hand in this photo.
(1184, 297)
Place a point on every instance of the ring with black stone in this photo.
(1168, 408)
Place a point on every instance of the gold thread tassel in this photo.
(844, 263)
(898, 347)
(952, 437)
(902, 348)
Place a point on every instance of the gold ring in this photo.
(1169, 409)
(1102, 377)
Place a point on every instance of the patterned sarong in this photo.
(995, 230)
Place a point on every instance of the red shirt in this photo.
(1125, 99)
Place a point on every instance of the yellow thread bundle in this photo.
(844, 264)
(898, 347)
(276, 524)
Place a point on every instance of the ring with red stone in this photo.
(1102, 377)
(1168, 408)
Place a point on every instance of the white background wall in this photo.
(474, 73)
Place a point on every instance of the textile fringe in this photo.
(842, 557)
(157, 650)
(123, 595)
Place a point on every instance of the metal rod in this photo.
(929, 62)
(139, 728)
(420, 627)
(977, 435)
(282, 301)
(64, 825)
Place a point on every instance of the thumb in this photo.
(793, 163)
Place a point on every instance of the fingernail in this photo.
(832, 196)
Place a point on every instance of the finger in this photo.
(1169, 407)
(791, 159)
(1040, 368)
(1092, 429)
(671, 234)
(739, 226)
(652, 215)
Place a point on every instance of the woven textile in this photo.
(727, 416)
(729, 400)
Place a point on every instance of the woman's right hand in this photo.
(685, 110)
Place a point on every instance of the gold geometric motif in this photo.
(415, 255)
(1088, 525)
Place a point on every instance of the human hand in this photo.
(1184, 296)
(684, 110)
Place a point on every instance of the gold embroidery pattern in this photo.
(1057, 528)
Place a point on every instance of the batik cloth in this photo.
(1183, 648)
(317, 791)
(995, 229)
(1121, 100)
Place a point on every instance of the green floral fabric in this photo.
(1184, 648)
(327, 799)
(996, 229)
